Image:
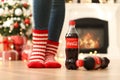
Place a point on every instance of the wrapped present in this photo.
(19, 42)
(15, 42)
(6, 43)
(10, 55)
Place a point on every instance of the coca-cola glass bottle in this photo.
(72, 46)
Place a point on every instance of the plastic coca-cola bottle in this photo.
(93, 62)
(72, 48)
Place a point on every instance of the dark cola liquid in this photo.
(71, 53)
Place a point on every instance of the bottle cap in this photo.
(72, 22)
(79, 63)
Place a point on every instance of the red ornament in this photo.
(27, 21)
(16, 25)
(25, 5)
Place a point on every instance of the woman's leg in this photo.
(56, 19)
(41, 13)
(54, 31)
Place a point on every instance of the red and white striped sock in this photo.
(37, 57)
(51, 50)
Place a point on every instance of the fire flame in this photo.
(89, 41)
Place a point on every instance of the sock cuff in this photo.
(40, 31)
(53, 42)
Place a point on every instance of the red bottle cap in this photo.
(72, 22)
(79, 63)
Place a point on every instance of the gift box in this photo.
(27, 49)
(15, 42)
(10, 55)
(6, 43)
(19, 42)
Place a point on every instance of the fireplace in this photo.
(107, 13)
(93, 34)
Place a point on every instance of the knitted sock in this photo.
(37, 57)
(51, 50)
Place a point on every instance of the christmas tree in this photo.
(15, 18)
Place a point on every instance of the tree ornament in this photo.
(7, 23)
(22, 26)
(27, 21)
(25, 5)
(12, 3)
(6, 11)
(16, 25)
(14, 18)
(18, 12)
(1, 11)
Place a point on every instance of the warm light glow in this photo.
(1, 63)
(88, 41)
(10, 58)
(25, 61)
(90, 53)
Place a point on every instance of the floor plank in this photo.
(17, 70)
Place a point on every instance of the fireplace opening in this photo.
(93, 34)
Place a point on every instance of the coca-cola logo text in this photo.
(71, 42)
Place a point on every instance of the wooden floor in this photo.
(17, 70)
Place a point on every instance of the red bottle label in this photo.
(71, 42)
